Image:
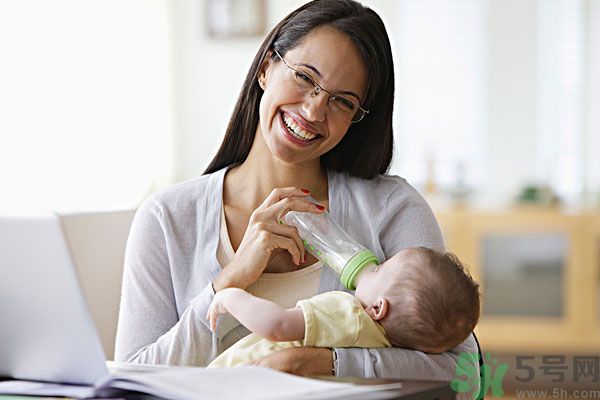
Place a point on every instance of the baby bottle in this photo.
(328, 242)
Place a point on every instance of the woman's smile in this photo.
(296, 133)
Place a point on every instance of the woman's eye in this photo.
(303, 77)
(344, 104)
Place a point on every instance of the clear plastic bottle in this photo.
(326, 240)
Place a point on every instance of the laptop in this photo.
(46, 329)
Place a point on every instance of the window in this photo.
(592, 132)
(499, 95)
(86, 103)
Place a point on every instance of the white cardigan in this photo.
(171, 261)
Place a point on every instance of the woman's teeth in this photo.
(296, 130)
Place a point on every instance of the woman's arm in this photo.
(392, 363)
(401, 363)
(150, 329)
(263, 317)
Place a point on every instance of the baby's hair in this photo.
(434, 305)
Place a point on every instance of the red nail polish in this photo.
(305, 190)
(319, 207)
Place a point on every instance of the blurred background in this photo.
(497, 123)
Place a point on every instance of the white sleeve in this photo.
(150, 329)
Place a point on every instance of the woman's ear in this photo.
(378, 310)
(264, 70)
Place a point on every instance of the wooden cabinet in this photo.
(539, 271)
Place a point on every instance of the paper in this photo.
(247, 382)
(121, 368)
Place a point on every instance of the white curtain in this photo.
(592, 133)
(563, 40)
(440, 104)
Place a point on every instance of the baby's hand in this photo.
(217, 307)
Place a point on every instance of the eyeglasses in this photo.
(340, 106)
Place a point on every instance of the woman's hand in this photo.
(265, 234)
(304, 361)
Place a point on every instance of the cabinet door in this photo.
(524, 274)
(593, 222)
(535, 277)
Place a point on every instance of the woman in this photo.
(314, 116)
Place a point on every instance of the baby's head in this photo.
(424, 299)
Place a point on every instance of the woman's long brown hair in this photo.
(366, 149)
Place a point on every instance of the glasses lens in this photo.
(341, 106)
(358, 116)
(303, 79)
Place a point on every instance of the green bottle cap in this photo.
(355, 265)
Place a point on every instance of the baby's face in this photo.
(384, 277)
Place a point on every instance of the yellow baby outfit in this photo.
(331, 319)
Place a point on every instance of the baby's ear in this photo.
(378, 310)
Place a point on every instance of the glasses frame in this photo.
(318, 89)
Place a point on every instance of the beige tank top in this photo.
(284, 288)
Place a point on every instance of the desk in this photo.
(411, 390)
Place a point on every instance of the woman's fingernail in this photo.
(305, 190)
(319, 207)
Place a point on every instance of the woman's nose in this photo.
(315, 107)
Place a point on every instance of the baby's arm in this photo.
(261, 316)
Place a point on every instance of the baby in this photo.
(419, 299)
